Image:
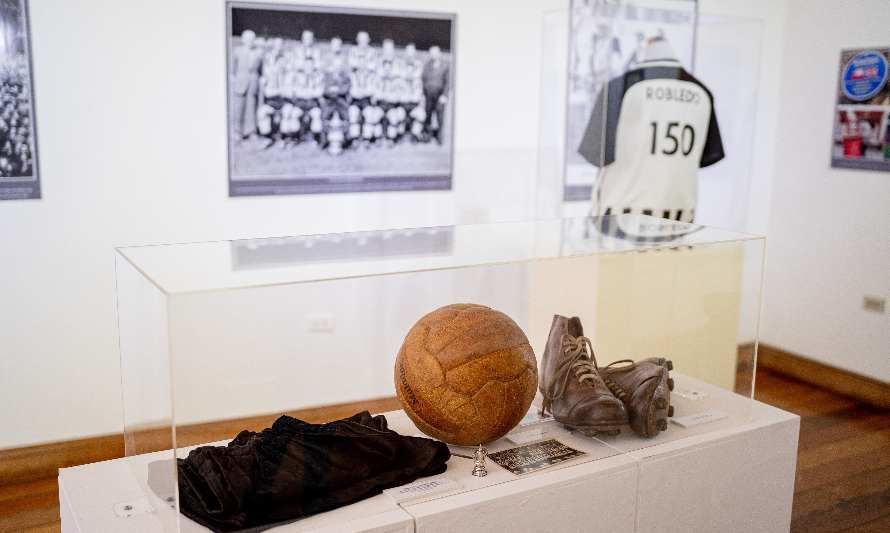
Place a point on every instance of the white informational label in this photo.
(422, 487)
(688, 421)
(526, 436)
(534, 417)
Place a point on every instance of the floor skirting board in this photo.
(31, 463)
(862, 388)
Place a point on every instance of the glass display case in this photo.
(220, 337)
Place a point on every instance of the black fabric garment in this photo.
(295, 469)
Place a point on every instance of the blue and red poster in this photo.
(862, 113)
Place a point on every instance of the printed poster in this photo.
(861, 136)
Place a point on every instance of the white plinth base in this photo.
(734, 474)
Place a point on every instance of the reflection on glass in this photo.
(342, 247)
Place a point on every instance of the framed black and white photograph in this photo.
(19, 175)
(327, 100)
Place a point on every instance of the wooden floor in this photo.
(843, 459)
(843, 468)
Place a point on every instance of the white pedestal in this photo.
(567, 497)
(733, 474)
(596, 496)
(736, 479)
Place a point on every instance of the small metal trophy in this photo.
(479, 462)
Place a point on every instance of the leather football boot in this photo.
(573, 391)
(644, 386)
(669, 365)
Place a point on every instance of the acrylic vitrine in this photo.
(219, 337)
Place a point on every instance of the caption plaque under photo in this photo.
(19, 175)
(329, 100)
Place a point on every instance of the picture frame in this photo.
(861, 133)
(19, 162)
(338, 100)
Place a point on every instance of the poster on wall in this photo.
(19, 175)
(607, 39)
(861, 137)
(329, 100)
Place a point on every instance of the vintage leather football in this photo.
(466, 374)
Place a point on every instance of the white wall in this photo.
(829, 229)
(131, 124)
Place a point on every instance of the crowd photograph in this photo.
(338, 101)
(18, 161)
(16, 158)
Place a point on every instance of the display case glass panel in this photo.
(220, 337)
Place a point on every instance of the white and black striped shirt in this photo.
(650, 130)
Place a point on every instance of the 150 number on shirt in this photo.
(677, 138)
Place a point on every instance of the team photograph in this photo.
(338, 101)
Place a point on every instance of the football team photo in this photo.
(19, 176)
(338, 100)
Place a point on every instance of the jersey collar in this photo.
(658, 62)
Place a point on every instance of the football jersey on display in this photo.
(650, 131)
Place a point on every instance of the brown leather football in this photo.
(466, 374)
